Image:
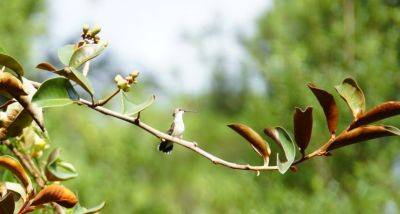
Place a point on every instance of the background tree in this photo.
(297, 42)
(18, 21)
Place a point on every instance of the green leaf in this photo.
(86, 53)
(11, 63)
(77, 77)
(7, 204)
(65, 53)
(81, 80)
(78, 209)
(55, 92)
(282, 138)
(57, 169)
(353, 96)
(130, 108)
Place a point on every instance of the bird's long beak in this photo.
(189, 111)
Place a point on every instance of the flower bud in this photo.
(129, 79)
(95, 31)
(134, 74)
(85, 29)
(122, 83)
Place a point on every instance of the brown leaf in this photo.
(328, 104)
(363, 133)
(55, 193)
(13, 121)
(11, 84)
(303, 122)
(16, 168)
(46, 66)
(258, 143)
(271, 132)
(380, 112)
(35, 112)
(7, 204)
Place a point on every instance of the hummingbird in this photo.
(176, 130)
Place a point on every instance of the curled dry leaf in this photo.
(11, 84)
(328, 104)
(17, 190)
(380, 112)
(34, 111)
(55, 193)
(16, 168)
(303, 122)
(353, 95)
(20, 114)
(257, 142)
(7, 204)
(46, 66)
(363, 133)
(282, 138)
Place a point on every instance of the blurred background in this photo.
(231, 61)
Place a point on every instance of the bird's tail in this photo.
(166, 146)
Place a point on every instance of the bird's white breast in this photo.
(179, 125)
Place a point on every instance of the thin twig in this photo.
(105, 101)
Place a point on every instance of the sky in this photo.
(148, 35)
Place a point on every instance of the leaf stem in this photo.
(105, 101)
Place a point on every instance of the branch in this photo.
(188, 144)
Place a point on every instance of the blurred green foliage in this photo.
(18, 21)
(296, 42)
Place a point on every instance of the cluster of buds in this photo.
(90, 35)
(39, 145)
(125, 83)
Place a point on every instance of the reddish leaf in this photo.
(258, 143)
(328, 104)
(16, 168)
(55, 193)
(46, 66)
(363, 133)
(303, 122)
(382, 111)
(7, 204)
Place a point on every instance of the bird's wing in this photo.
(171, 129)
